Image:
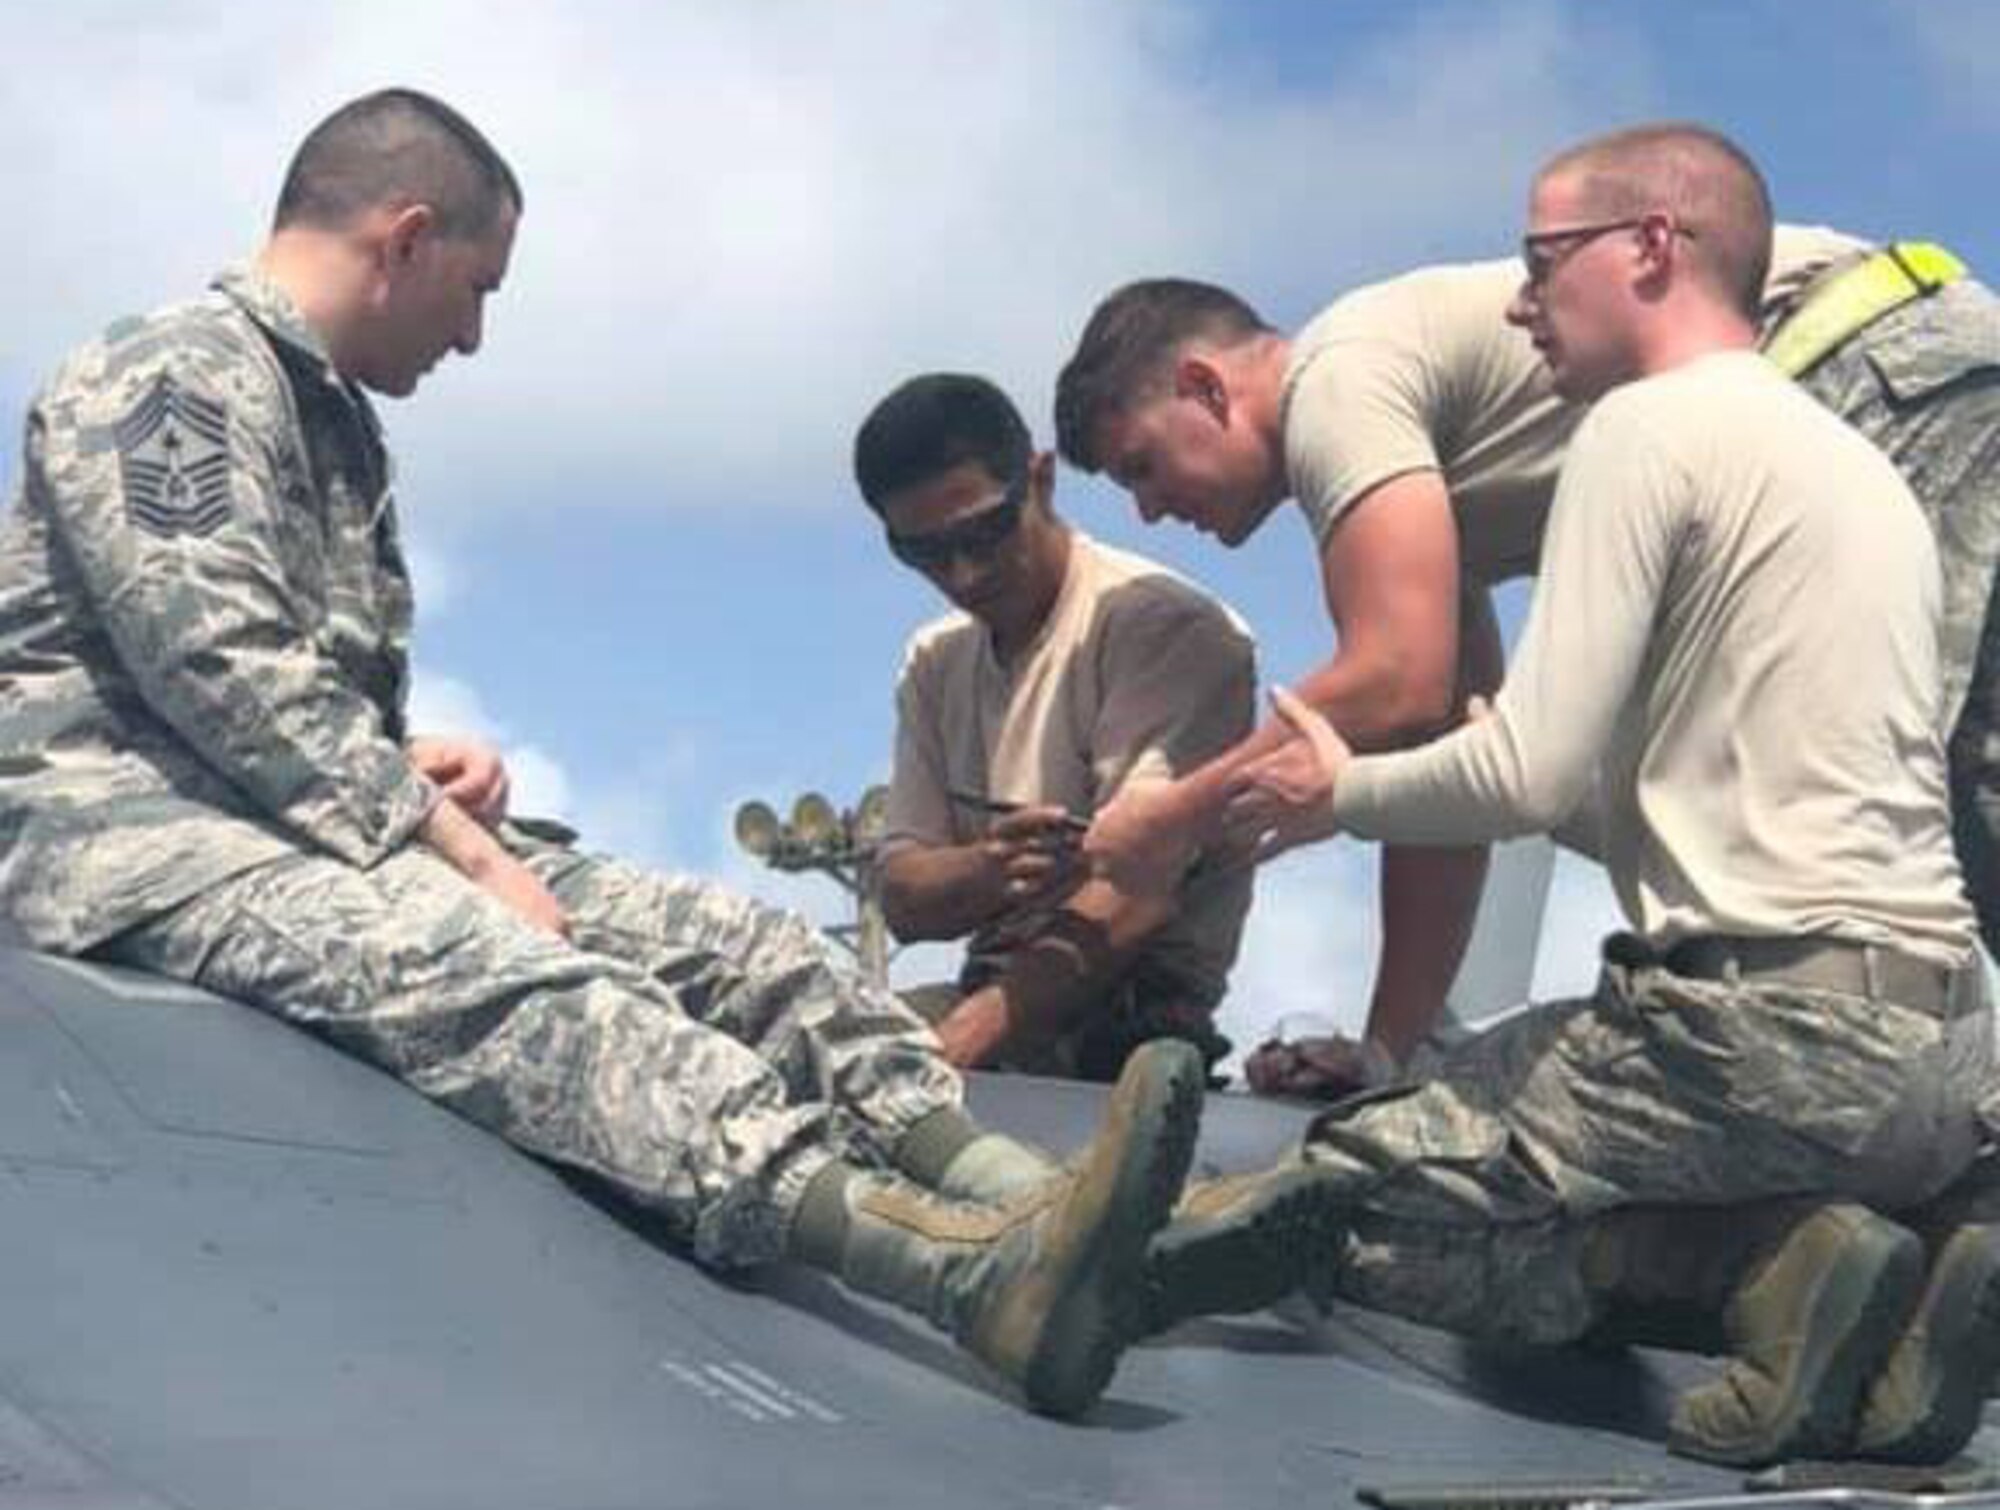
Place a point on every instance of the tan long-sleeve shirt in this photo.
(1735, 624)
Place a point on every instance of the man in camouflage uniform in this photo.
(1733, 644)
(204, 772)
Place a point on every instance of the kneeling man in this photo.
(1733, 648)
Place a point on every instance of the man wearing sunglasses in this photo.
(1421, 435)
(1733, 651)
(1068, 673)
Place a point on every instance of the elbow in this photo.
(1546, 805)
(1426, 707)
(897, 912)
(904, 913)
(1413, 704)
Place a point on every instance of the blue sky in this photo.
(641, 563)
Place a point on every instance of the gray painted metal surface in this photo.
(240, 1271)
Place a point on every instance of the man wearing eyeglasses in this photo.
(1068, 673)
(1733, 645)
(1422, 436)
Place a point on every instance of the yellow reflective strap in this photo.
(1900, 272)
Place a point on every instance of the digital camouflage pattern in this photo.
(204, 622)
(1464, 1200)
(204, 625)
(703, 1053)
(1923, 383)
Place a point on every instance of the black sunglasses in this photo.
(975, 537)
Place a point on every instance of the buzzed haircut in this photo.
(933, 423)
(1126, 346)
(1707, 182)
(397, 144)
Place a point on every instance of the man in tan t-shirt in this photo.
(1070, 672)
(1733, 643)
(1422, 437)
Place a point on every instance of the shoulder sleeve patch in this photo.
(173, 453)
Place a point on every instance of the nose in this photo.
(1521, 308)
(1151, 509)
(474, 328)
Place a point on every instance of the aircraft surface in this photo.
(244, 1271)
(247, 1272)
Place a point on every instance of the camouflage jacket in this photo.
(204, 621)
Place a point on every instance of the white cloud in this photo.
(434, 572)
(446, 705)
(744, 222)
(1309, 947)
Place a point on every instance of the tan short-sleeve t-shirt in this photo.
(1423, 373)
(1137, 675)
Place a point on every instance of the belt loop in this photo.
(1871, 973)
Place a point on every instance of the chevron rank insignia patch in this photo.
(173, 449)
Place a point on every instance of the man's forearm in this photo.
(1054, 978)
(1430, 898)
(1360, 701)
(462, 841)
(937, 891)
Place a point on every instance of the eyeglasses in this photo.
(975, 537)
(1542, 252)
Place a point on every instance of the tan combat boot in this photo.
(1809, 1325)
(1045, 1291)
(1925, 1404)
(1238, 1243)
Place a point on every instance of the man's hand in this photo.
(1032, 858)
(522, 890)
(1025, 862)
(471, 773)
(1140, 844)
(1321, 1068)
(474, 853)
(1286, 798)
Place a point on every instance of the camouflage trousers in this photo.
(1923, 383)
(705, 1054)
(1466, 1198)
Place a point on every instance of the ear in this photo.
(1197, 377)
(405, 233)
(1042, 476)
(1659, 245)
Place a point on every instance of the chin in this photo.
(1239, 528)
(1576, 387)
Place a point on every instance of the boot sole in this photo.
(1966, 1359)
(1095, 1312)
(1856, 1317)
(1244, 1260)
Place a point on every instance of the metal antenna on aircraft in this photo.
(840, 845)
(871, 815)
(815, 823)
(757, 829)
